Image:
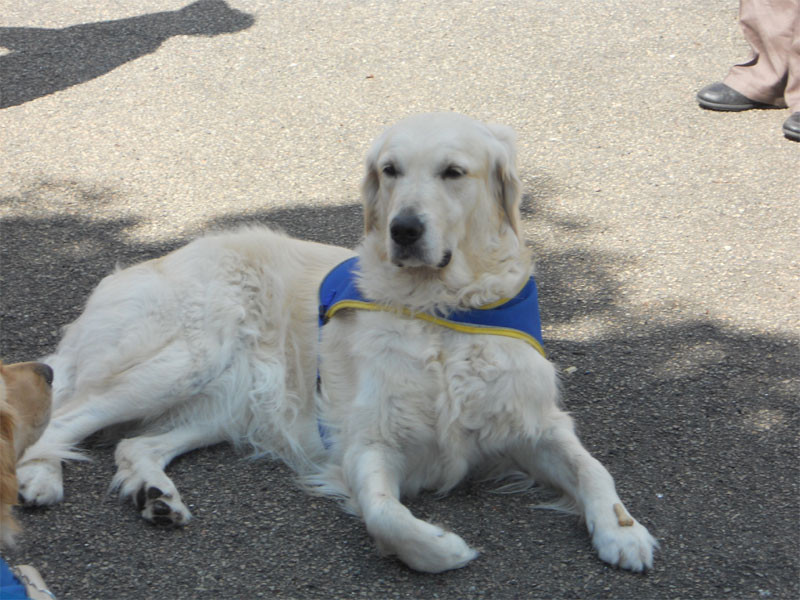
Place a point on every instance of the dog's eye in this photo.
(389, 170)
(453, 172)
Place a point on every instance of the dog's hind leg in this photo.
(132, 394)
(556, 457)
(422, 546)
(39, 470)
(140, 475)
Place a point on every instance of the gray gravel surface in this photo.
(666, 237)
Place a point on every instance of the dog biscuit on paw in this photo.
(623, 518)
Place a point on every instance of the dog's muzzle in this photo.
(408, 248)
(407, 231)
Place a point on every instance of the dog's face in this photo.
(434, 180)
(25, 399)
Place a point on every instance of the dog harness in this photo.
(516, 317)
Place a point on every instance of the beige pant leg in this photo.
(768, 27)
(792, 93)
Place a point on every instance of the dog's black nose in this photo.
(45, 372)
(406, 229)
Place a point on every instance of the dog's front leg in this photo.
(374, 477)
(557, 457)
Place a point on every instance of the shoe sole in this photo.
(792, 135)
(730, 107)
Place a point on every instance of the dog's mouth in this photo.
(448, 256)
(410, 260)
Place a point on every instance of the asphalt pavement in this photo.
(666, 238)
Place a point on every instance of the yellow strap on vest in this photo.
(461, 327)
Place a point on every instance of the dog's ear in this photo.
(8, 422)
(506, 183)
(8, 456)
(8, 475)
(369, 196)
(370, 186)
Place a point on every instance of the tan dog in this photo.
(25, 397)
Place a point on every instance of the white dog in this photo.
(218, 341)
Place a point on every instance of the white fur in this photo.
(218, 342)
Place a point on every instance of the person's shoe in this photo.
(791, 127)
(719, 96)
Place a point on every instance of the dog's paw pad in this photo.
(160, 508)
(143, 496)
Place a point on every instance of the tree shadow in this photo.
(339, 225)
(43, 61)
(53, 253)
(698, 422)
(571, 284)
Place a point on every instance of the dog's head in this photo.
(25, 398)
(435, 180)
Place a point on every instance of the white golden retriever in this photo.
(218, 341)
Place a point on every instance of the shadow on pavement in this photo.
(697, 421)
(50, 260)
(43, 61)
(339, 225)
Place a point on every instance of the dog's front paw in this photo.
(161, 508)
(448, 551)
(40, 482)
(431, 549)
(628, 547)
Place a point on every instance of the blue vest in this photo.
(516, 317)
